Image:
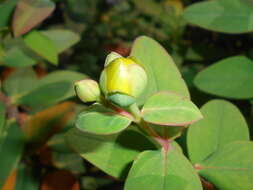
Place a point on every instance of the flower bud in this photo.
(123, 80)
(87, 90)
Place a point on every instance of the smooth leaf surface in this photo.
(30, 13)
(231, 77)
(166, 108)
(223, 123)
(113, 154)
(229, 16)
(16, 57)
(69, 161)
(231, 167)
(19, 82)
(159, 170)
(6, 9)
(42, 125)
(63, 39)
(161, 69)
(63, 157)
(10, 151)
(42, 45)
(53, 88)
(101, 121)
(26, 179)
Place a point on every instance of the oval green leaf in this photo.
(20, 82)
(231, 77)
(160, 67)
(16, 57)
(42, 45)
(231, 167)
(30, 13)
(160, 170)
(101, 121)
(167, 108)
(113, 154)
(229, 16)
(63, 39)
(223, 123)
(53, 88)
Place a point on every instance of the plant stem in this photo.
(144, 126)
(135, 111)
(12, 110)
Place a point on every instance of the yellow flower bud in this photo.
(125, 77)
(87, 90)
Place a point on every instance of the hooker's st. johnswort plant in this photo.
(140, 106)
(116, 109)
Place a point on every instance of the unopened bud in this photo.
(87, 90)
(123, 80)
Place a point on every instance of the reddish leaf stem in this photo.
(207, 185)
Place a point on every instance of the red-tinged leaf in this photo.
(29, 13)
(44, 124)
(11, 181)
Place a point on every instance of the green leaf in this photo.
(161, 69)
(231, 167)
(6, 10)
(101, 121)
(231, 77)
(68, 161)
(168, 108)
(16, 57)
(10, 151)
(42, 45)
(229, 16)
(2, 119)
(63, 39)
(223, 123)
(95, 182)
(26, 179)
(111, 153)
(30, 13)
(63, 157)
(53, 88)
(160, 170)
(19, 82)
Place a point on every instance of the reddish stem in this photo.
(207, 185)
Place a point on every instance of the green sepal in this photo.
(120, 99)
(110, 57)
